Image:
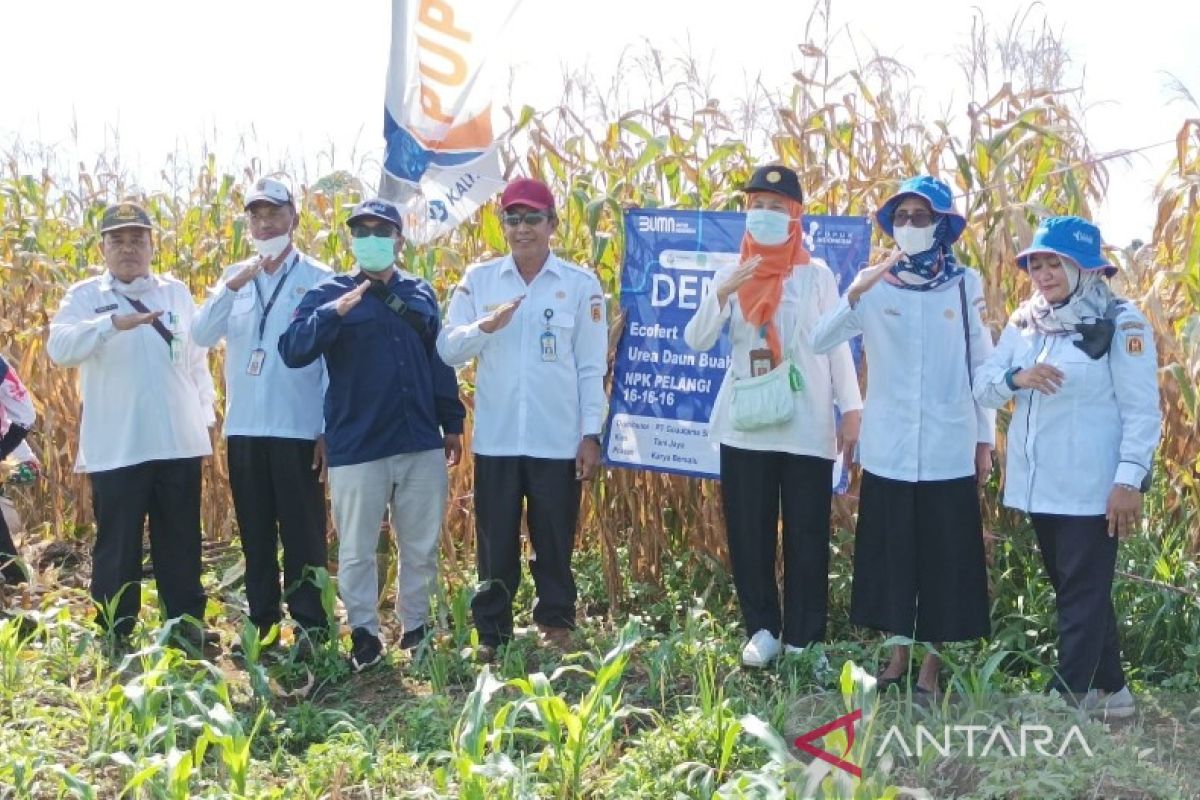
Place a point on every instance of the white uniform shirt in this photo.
(807, 293)
(140, 403)
(282, 402)
(920, 421)
(1066, 450)
(527, 401)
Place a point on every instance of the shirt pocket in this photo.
(241, 316)
(562, 326)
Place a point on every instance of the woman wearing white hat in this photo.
(919, 564)
(1081, 365)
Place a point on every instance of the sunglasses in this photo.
(512, 218)
(363, 231)
(918, 219)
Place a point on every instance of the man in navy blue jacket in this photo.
(393, 422)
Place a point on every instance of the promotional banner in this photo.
(663, 391)
(440, 161)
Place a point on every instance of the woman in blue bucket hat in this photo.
(926, 445)
(1080, 363)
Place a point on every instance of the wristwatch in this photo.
(1128, 486)
(595, 437)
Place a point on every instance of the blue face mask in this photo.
(766, 226)
(374, 253)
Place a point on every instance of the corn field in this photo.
(1021, 154)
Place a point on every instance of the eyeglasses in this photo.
(918, 219)
(512, 218)
(363, 231)
(269, 213)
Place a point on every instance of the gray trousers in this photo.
(414, 486)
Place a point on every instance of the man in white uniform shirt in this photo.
(537, 326)
(273, 414)
(147, 403)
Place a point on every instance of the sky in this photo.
(303, 81)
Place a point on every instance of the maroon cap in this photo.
(527, 192)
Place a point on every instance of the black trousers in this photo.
(13, 574)
(1080, 558)
(278, 497)
(548, 488)
(919, 566)
(169, 492)
(756, 486)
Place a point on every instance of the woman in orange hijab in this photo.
(774, 418)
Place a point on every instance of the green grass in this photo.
(654, 704)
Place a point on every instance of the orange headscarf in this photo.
(759, 297)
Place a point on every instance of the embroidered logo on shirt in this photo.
(1132, 326)
(1134, 345)
(595, 312)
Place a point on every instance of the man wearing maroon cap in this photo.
(536, 325)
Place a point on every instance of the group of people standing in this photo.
(1078, 361)
(346, 379)
(352, 376)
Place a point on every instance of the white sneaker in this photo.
(760, 650)
(1113, 705)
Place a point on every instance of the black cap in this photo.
(778, 179)
(378, 209)
(124, 215)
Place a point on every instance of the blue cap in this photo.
(378, 208)
(1069, 237)
(940, 199)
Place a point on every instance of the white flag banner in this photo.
(440, 163)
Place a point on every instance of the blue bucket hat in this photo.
(940, 199)
(1073, 238)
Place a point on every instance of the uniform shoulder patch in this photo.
(1134, 344)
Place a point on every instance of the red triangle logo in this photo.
(805, 742)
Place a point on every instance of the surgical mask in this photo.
(374, 253)
(136, 287)
(273, 247)
(913, 240)
(766, 226)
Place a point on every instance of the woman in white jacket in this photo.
(919, 565)
(1081, 366)
(774, 418)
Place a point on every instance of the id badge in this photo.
(549, 347)
(761, 362)
(257, 356)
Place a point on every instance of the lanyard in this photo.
(262, 321)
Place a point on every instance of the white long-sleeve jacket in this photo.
(142, 399)
(1066, 450)
(807, 293)
(533, 397)
(920, 421)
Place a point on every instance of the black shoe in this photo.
(365, 649)
(412, 639)
(883, 684)
(195, 641)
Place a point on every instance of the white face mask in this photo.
(136, 287)
(913, 240)
(273, 247)
(766, 226)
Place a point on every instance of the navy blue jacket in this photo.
(389, 391)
